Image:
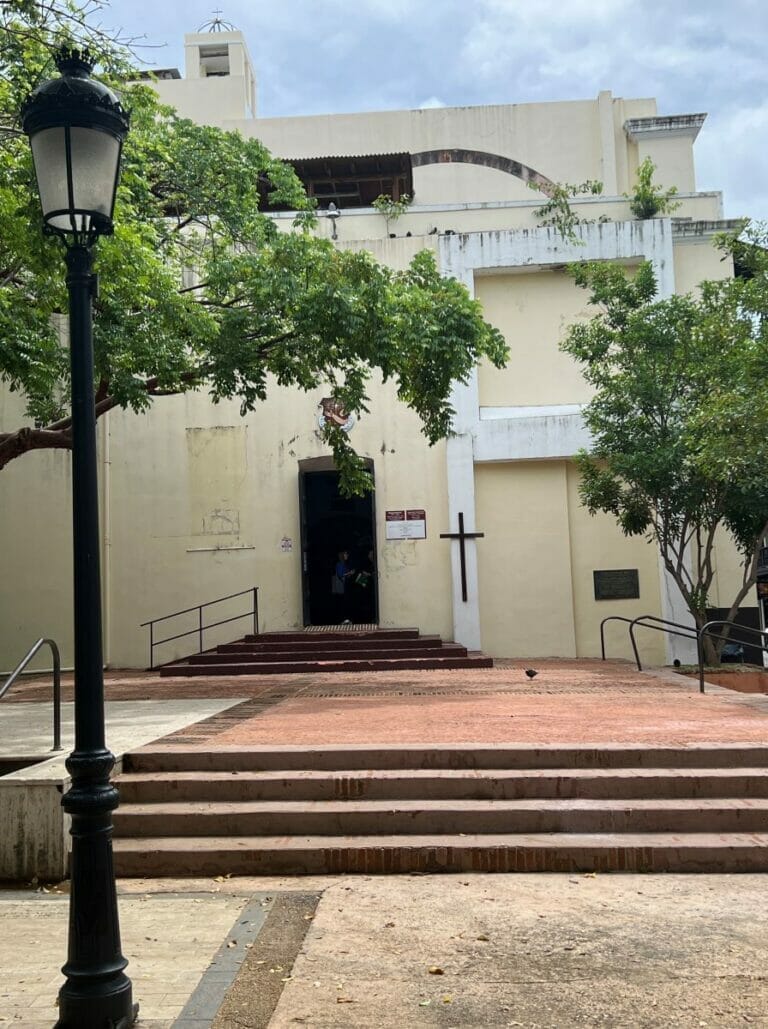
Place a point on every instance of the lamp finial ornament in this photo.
(75, 61)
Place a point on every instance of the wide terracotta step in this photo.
(271, 810)
(553, 852)
(310, 667)
(428, 816)
(158, 757)
(444, 784)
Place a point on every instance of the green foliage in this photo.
(199, 289)
(679, 416)
(392, 209)
(557, 211)
(649, 200)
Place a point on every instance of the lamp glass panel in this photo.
(50, 157)
(95, 157)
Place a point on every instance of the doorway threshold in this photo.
(343, 627)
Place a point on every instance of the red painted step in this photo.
(299, 667)
(350, 641)
(339, 665)
(348, 650)
(360, 653)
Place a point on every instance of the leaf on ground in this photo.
(483, 938)
(424, 1003)
(436, 970)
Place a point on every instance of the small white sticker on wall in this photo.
(286, 545)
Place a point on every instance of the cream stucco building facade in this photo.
(199, 502)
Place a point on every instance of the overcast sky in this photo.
(329, 56)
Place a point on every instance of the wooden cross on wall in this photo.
(461, 535)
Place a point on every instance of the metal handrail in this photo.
(56, 684)
(706, 630)
(689, 632)
(610, 618)
(200, 628)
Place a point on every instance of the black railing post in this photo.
(634, 646)
(56, 696)
(201, 627)
(700, 655)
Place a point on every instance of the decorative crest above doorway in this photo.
(332, 412)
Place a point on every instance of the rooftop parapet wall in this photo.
(669, 143)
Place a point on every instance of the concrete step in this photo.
(342, 641)
(359, 653)
(312, 667)
(555, 852)
(445, 784)
(158, 757)
(371, 817)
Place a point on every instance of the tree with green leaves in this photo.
(679, 419)
(557, 211)
(200, 290)
(649, 200)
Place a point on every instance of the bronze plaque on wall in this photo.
(617, 584)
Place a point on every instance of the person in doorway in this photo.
(340, 586)
(363, 589)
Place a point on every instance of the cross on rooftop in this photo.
(217, 25)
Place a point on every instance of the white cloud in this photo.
(731, 155)
(432, 101)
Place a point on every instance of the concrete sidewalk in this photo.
(533, 951)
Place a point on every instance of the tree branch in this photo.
(14, 444)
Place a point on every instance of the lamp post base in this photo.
(107, 1010)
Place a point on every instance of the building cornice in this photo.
(692, 229)
(674, 125)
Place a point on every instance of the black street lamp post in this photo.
(76, 128)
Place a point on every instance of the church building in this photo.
(200, 503)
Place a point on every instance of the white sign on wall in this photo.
(410, 524)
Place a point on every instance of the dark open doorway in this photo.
(331, 523)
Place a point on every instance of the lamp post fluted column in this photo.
(97, 992)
